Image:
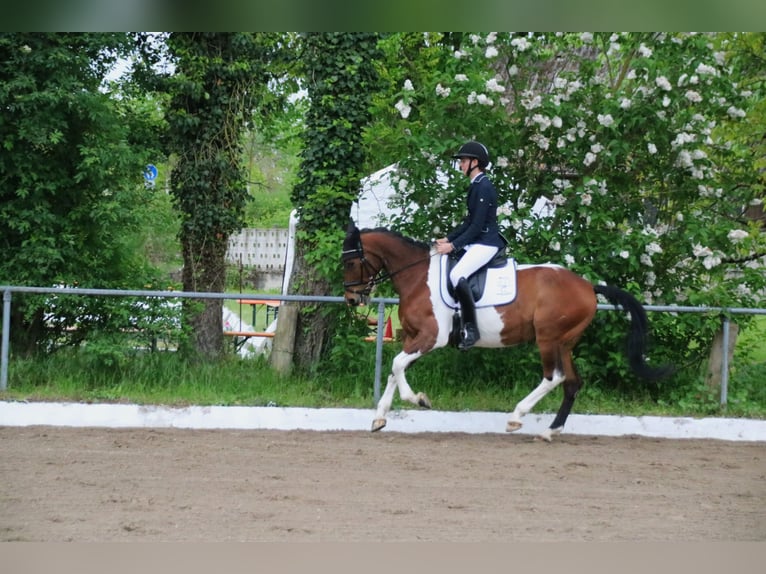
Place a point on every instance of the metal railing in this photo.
(8, 290)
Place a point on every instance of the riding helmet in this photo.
(475, 150)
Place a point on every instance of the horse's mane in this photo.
(414, 242)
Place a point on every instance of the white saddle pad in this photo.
(499, 289)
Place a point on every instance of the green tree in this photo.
(71, 159)
(340, 79)
(217, 81)
(632, 138)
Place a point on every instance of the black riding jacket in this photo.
(480, 225)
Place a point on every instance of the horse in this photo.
(547, 304)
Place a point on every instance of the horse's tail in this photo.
(639, 328)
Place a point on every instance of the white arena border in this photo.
(22, 413)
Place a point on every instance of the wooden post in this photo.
(283, 346)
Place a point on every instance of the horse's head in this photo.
(358, 273)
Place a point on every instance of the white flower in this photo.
(693, 96)
(25, 49)
(684, 159)
(596, 148)
(586, 37)
(442, 91)
(737, 235)
(625, 103)
(408, 86)
(665, 101)
(711, 261)
(491, 37)
(663, 83)
(513, 70)
(492, 85)
(701, 251)
(556, 121)
(520, 44)
(586, 198)
(403, 108)
(735, 112)
(461, 78)
(559, 199)
(651, 278)
(556, 246)
(653, 248)
(502, 161)
(568, 259)
(531, 101)
(624, 254)
(644, 51)
(589, 158)
(491, 52)
(541, 141)
(541, 121)
(646, 260)
(605, 120)
(472, 98)
(679, 216)
(560, 83)
(652, 148)
(705, 70)
(484, 100)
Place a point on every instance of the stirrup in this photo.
(468, 339)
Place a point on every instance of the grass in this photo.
(165, 378)
(100, 373)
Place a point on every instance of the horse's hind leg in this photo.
(527, 403)
(397, 380)
(553, 376)
(572, 385)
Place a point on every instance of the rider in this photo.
(478, 235)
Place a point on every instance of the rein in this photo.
(377, 276)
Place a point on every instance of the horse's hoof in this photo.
(378, 424)
(512, 426)
(546, 435)
(423, 401)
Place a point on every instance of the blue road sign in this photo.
(150, 173)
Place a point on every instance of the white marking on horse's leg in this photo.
(547, 434)
(384, 404)
(527, 403)
(400, 364)
(397, 380)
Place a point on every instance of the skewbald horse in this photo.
(553, 307)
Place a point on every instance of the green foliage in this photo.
(639, 141)
(341, 79)
(72, 158)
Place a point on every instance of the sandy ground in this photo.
(94, 484)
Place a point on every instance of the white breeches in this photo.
(475, 256)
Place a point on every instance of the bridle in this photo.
(376, 276)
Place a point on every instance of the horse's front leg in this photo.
(397, 380)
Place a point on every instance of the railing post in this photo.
(725, 360)
(379, 351)
(4, 351)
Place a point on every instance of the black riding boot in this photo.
(470, 332)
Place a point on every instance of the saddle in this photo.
(478, 279)
(493, 284)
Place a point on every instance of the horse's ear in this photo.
(352, 240)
